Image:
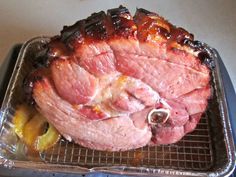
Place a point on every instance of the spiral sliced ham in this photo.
(104, 75)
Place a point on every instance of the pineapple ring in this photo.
(22, 115)
(48, 139)
(30, 127)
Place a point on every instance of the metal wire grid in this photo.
(193, 152)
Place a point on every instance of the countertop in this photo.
(212, 21)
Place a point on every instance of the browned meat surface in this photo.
(116, 82)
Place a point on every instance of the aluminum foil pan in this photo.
(208, 151)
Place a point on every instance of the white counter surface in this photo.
(212, 21)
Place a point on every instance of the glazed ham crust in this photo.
(103, 76)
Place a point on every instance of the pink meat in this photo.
(109, 134)
(77, 85)
(192, 123)
(107, 73)
(178, 80)
(97, 59)
(168, 135)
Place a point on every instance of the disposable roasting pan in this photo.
(208, 151)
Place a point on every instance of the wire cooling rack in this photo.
(193, 152)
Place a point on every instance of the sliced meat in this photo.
(167, 135)
(125, 103)
(192, 123)
(196, 101)
(170, 41)
(178, 114)
(73, 82)
(168, 79)
(97, 58)
(110, 134)
(131, 95)
(105, 75)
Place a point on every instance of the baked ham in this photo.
(116, 82)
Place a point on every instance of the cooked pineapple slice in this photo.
(33, 129)
(22, 115)
(48, 139)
